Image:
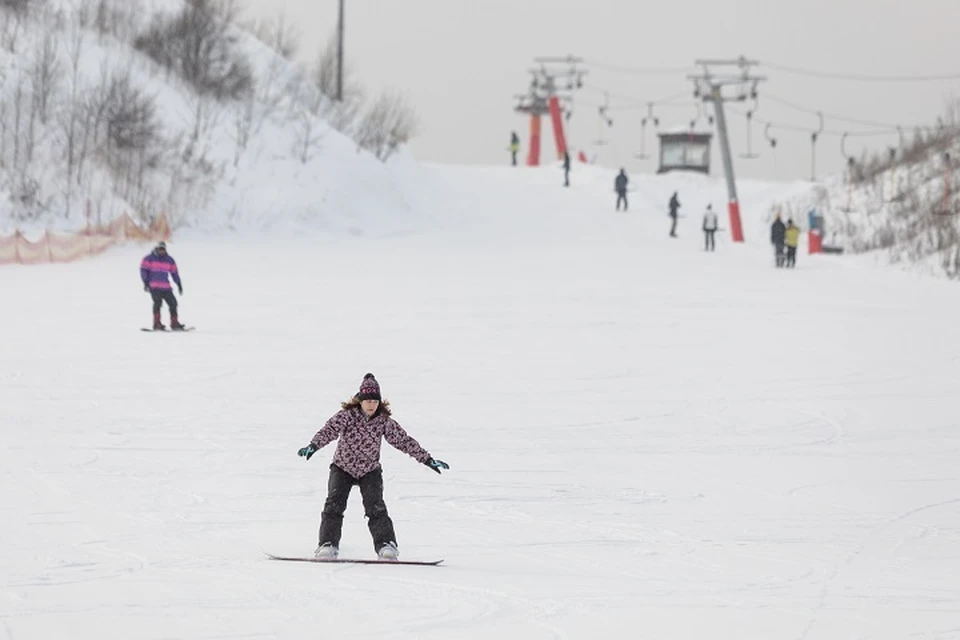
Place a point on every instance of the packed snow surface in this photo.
(645, 440)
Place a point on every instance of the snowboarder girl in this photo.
(360, 424)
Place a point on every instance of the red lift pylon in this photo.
(544, 98)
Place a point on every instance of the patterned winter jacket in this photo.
(358, 450)
(154, 269)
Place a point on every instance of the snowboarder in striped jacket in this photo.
(154, 271)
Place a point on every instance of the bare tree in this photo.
(71, 115)
(243, 123)
(120, 116)
(269, 92)
(84, 12)
(388, 123)
(306, 138)
(86, 117)
(278, 34)
(300, 93)
(101, 17)
(46, 72)
(112, 18)
(198, 43)
(324, 69)
(4, 124)
(206, 114)
(21, 7)
(11, 27)
(115, 121)
(31, 141)
(92, 113)
(27, 195)
(131, 115)
(342, 115)
(17, 117)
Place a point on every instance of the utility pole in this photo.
(709, 87)
(340, 54)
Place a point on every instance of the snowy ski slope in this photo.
(646, 441)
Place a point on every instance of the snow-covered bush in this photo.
(388, 123)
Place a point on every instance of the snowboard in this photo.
(167, 330)
(424, 563)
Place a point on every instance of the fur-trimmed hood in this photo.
(354, 403)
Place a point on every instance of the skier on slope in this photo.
(791, 237)
(778, 233)
(620, 186)
(514, 147)
(710, 228)
(154, 269)
(360, 425)
(674, 206)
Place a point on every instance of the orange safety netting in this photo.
(17, 249)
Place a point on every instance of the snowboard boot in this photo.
(388, 551)
(326, 551)
(157, 325)
(175, 323)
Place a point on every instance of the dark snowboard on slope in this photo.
(425, 563)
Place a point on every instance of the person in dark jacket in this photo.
(154, 271)
(620, 186)
(514, 146)
(360, 425)
(674, 207)
(778, 233)
(566, 168)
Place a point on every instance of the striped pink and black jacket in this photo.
(154, 270)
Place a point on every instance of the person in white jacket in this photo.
(709, 228)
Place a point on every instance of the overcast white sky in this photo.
(461, 62)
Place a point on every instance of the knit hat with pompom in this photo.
(369, 388)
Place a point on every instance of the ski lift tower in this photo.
(547, 87)
(709, 86)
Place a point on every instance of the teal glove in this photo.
(436, 465)
(307, 451)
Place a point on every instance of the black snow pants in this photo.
(161, 295)
(791, 260)
(710, 242)
(371, 490)
(778, 253)
(622, 197)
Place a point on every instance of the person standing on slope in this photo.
(777, 237)
(154, 271)
(620, 186)
(710, 224)
(791, 238)
(514, 147)
(360, 425)
(674, 206)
